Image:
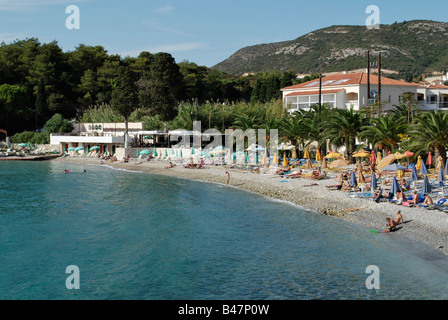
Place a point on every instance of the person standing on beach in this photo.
(228, 177)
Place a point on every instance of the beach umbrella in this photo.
(414, 175)
(409, 153)
(362, 154)
(426, 186)
(339, 163)
(294, 153)
(394, 167)
(395, 186)
(441, 177)
(144, 152)
(423, 170)
(308, 164)
(373, 182)
(379, 158)
(446, 166)
(29, 144)
(373, 157)
(275, 159)
(429, 159)
(234, 157)
(192, 150)
(156, 154)
(353, 182)
(264, 159)
(21, 145)
(256, 157)
(172, 151)
(306, 154)
(285, 161)
(399, 155)
(87, 151)
(419, 163)
(79, 148)
(318, 155)
(166, 152)
(105, 150)
(246, 157)
(386, 161)
(324, 163)
(333, 155)
(440, 162)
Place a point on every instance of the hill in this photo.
(412, 48)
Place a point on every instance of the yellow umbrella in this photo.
(399, 155)
(263, 161)
(386, 161)
(418, 166)
(440, 163)
(379, 157)
(275, 159)
(294, 153)
(285, 161)
(362, 154)
(400, 173)
(318, 155)
(306, 154)
(333, 155)
(339, 163)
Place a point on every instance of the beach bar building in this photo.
(350, 90)
(107, 136)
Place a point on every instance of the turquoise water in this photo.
(141, 236)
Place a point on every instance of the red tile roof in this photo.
(306, 93)
(349, 79)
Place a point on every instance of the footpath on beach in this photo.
(427, 226)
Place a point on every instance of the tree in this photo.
(383, 132)
(124, 95)
(57, 124)
(161, 87)
(430, 133)
(343, 127)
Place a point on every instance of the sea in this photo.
(98, 233)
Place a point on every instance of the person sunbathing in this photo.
(428, 200)
(171, 165)
(415, 198)
(400, 197)
(399, 218)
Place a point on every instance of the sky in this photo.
(205, 32)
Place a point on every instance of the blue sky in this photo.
(201, 31)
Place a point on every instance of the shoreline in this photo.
(427, 226)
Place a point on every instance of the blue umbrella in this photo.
(373, 184)
(426, 186)
(414, 175)
(441, 177)
(395, 186)
(446, 166)
(423, 170)
(394, 167)
(353, 182)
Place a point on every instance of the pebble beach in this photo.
(420, 224)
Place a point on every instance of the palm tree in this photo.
(383, 132)
(343, 128)
(430, 133)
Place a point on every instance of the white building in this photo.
(350, 90)
(107, 136)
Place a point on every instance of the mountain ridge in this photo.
(411, 47)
